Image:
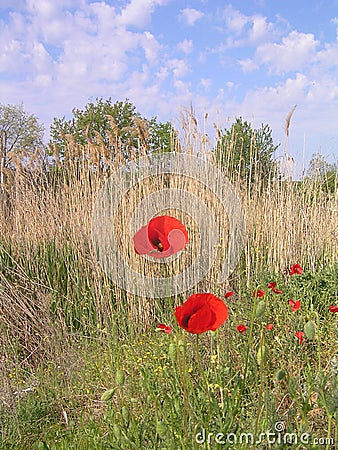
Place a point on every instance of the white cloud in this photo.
(247, 65)
(138, 12)
(260, 30)
(328, 57)
(185, 46)
(179, 67)
(206, 82)
(296, 51)
(43, 80)
(317, 103)
(41, 59)
(191, 15)
(44, 8)
(243, 30)
(235, 21)
(162, 74)
(150, 46)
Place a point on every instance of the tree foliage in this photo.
(20, 132)
(322, 173)
(21, 137)
(246, 153)
(114, 125)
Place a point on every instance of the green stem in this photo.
(182, 365)
(205, 379)
(260, 393)
(329, 422)
(249, 340)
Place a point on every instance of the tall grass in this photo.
(54, 295)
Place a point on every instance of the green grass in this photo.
(175, 386)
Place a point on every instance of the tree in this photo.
(112, 128)
(20, 133)
(322, 173)
(245, 152)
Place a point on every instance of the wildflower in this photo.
(163, 236)
(228, 294)
(272, 286)
(300, 336)
(258, 293)
(333, 309)
(295, 305)
(201, 312)
(295, 269)
(269, 326)
(164, 328)
(241, 328)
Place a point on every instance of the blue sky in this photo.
(254, 59)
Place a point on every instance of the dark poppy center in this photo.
(185, 320)
(157, 243)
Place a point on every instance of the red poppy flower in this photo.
(272, 286)
(258, 293)
(333, 309)
(201, 312)
(295, 269)
(269, 326)
(300, 336)
(162, 237)
(295, 305)
(228, 294)
(241, 328)
(164, 328)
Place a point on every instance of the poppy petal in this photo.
(142, 244)
(201, 321)
(162, 237)
(295, 269)
(176, 240)
(201, 312)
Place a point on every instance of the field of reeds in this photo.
(81, 363)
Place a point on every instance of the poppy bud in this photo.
(107, 395)
(125, 414)
(172, 352)
(120, 377)
(116, 431)
(180, 346)
(280, 374)
(261, 354)
(161, 429)
(260, 310)
(309, 330)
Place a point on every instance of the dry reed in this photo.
(285, 224)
